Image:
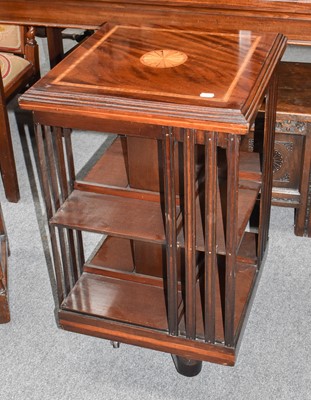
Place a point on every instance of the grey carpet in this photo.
(38, 361)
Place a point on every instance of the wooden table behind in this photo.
(291, 17)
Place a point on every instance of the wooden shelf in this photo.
(105, 262)
(111, 168)
(118, 300)
(138, 219)
(117, 254)
(113, 215)
(109, 290)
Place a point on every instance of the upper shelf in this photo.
(112, 168)
(105, 204)
(139, 219)
(114, 215)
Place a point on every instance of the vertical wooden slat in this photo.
(80, 251)
(190, 234)
(170, 228)
(60, 164)
(69, 157)
(210, 233)
(56, 197)
(71, 173)
(267, 173)
(231, 235)
(63, 183)
(44, 172)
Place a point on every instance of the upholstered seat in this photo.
(11, 68)
(19, 65)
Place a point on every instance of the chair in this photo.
(19, 65)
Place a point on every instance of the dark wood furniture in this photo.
(292, 151)
(186, 213)
(4, 301)
(291, 17)
(19, 63)
(292, 147)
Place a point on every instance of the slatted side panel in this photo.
(57, 176)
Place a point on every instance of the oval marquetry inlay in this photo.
(163, 58)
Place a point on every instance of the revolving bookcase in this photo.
(181, 211)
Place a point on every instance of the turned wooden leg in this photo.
(187, 367)
(55, 45)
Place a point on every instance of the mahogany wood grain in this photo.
(118, 300)
(88, 211)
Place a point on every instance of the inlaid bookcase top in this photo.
(215, 72)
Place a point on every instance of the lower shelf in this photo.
(110, 289)
(119, 300)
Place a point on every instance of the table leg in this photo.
(55, 45)
(7, 161)
(303, 213)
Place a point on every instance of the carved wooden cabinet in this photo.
(292, 151)
(181, 212)
(292, 147)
